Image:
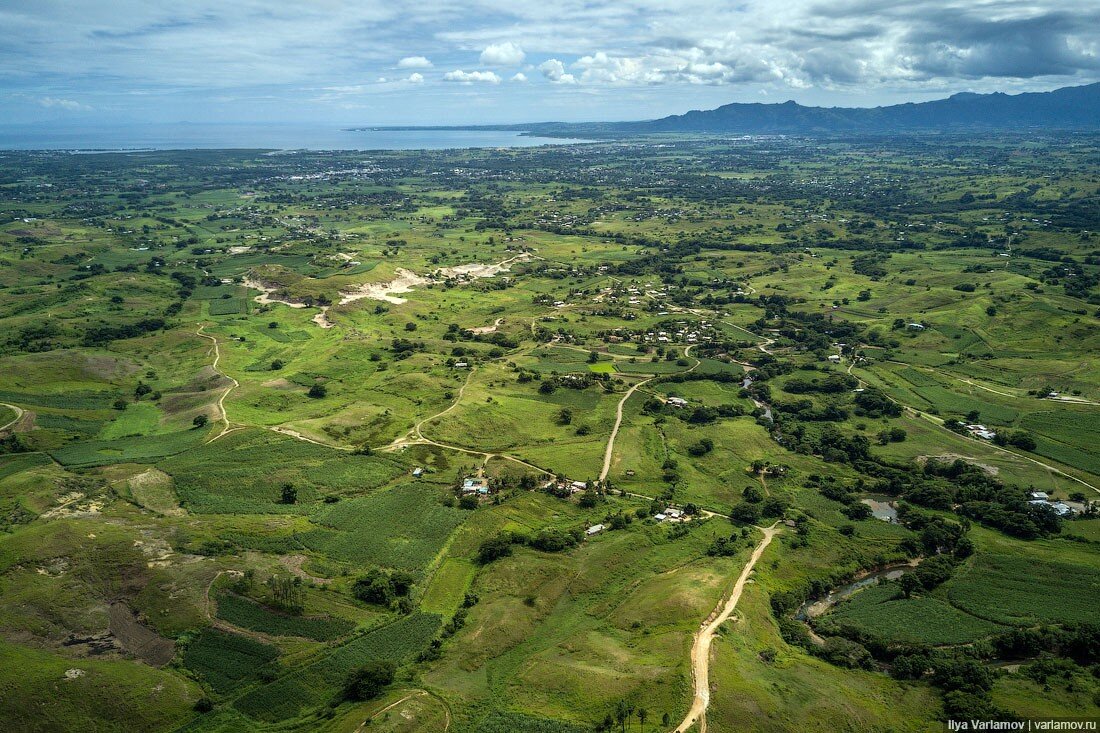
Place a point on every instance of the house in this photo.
(461, 365)
(594, 529)
(1061, 509)
(677, 402)
(576, 487)
(915, 326)
(418, 472)
(475, 485)
(1039, 495)
(834, 358)
(981, 431)
(660, 517)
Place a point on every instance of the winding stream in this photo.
(816, 607)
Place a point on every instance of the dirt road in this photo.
(619, 416)
(18, 415)
(221, 400)
(700, 650)
(615, 430)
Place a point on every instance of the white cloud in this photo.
(554, 70)
(469, 77)
(66, 104)
(503, 54)
(519, 77)
(415, 78)
(414, 62)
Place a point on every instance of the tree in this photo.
(317, 391)
(1022, 440)
(593, 357)
(375, 587)
(494, 548)
(701, 448)
(909, 583)
(623, 710)
(745, 513)
(276, 364)
(642, 714)
(410, 326)
(368, 681)
(200, 421)
(565, 416)
(288, 495)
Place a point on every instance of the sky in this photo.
(82, 62)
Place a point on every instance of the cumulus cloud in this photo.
(268, 57)
(65, 104)
(415, 78)
(554, 70)
(414, 62)
(470, 77)
(503, 54)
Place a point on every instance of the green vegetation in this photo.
(251, 615)
(306, 440)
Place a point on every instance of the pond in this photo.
(882, 507)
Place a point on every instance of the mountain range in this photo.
(1068, 108)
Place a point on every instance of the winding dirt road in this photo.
(619, 416)
(18, 415)
(615, 430)
(221, 400)
(700, 650)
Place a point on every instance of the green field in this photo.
(254, 386)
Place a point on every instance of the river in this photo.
(814, 608)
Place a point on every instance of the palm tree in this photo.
(642, 714)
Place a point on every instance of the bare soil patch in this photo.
(138, 639)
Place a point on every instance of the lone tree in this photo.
(289, 494)
(368, 681)
(200, 421)
(318, 391)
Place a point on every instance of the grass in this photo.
(881, 613)
(1020, 590)
(448, 587)
(315, 684)
(115, 695)
(221, 477)
(227, 661)
(132, 449)
(251, 615)
(402, 527)
(135, 506)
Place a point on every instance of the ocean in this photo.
(185, 136)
